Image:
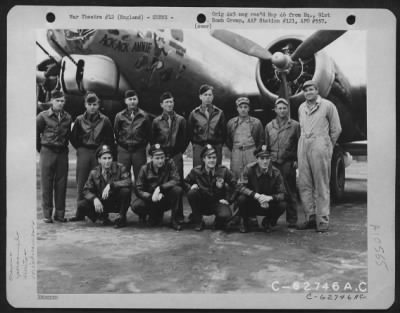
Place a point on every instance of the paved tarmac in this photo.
(82, 257)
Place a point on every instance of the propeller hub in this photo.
(280, 60)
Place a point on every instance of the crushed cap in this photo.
(156, 149)
(262, 151)
(207, 150)
(103, 149)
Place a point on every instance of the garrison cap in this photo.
(130, 93)
(204, 88)
(156, 149)
(207, 150)
(91, 97)
(262, 151)
(242, 100)
(281, 100)
(309, 83)
(56, 94)
(103, 149)
(165, 95)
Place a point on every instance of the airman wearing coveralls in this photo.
(320, 129)
(132, 129)
(170, 131)
(211, 188)
(53, 132)
(108, 189)
(262, 191)
(281, 137)
(206, 124)
(158, 189)
(244, 134)
(91, 130)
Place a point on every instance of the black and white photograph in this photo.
(198, 165)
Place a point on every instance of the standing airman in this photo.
(206, 124)
(132, 132)
(53, 132)
(281, 137)
(320, 129)
(244, 134)
(170, 131)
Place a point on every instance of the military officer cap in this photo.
(165, 95)
(130, 93)
(207, 150)
(103, 149)
(156, 149)
(281, 100)
(204, 88)
(309, 83)
(261, 151)
(242, 100)
(56, 94)
(91, 97)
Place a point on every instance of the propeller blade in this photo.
(241, 44)
(316, 42)
(284, 89)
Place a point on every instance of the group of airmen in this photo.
(261, 180)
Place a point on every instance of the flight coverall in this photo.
(167, 178)
(282, 143)
(320, 129)
(206, 126)
(88, 133)
(243, 137)
(270, 183)
(119, 197)
(170, 131)
(213, 186)
(132, 133)
(53, 132)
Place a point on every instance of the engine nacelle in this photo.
(96, 73)
(320, 68)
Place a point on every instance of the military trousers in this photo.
(85, 162)
(117, 202)
(249, 207)
(240, 157)
(155, 210)
(132, 159)
(197, 160)
(54, 176)
(178, 160)
(314, 164)
(289, 179)
(202, 204)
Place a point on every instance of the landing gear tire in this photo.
(338, 176)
